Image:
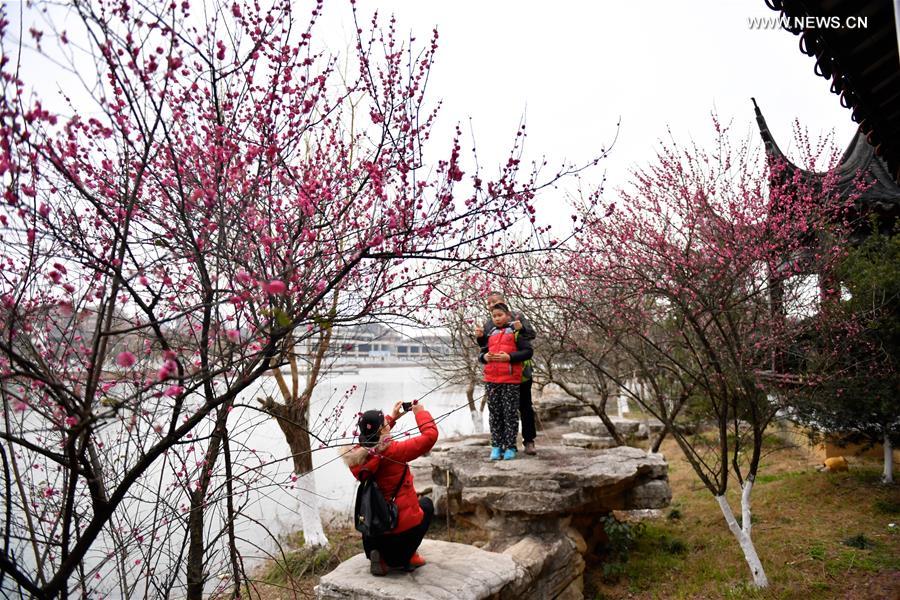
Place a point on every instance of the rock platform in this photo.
(461, 572)
(542, 514)
(543, 494)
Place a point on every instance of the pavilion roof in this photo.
(882, 196)
(863, 65)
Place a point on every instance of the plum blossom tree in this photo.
(689, 273)
(166, 242)
(458, 305)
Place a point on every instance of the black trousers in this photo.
(526, 412)
(503, 406)
(396, 549)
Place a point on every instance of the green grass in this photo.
(803, 522)
(769, 478)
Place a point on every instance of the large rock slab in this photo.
(462, 441)
(534, 568)
(559, 480)
(538, 495)
(453, 572)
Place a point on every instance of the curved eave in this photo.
(862, 65)
(773, 152)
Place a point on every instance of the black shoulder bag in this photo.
(373, 514)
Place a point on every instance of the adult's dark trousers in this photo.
(526, 412)
(397, 548)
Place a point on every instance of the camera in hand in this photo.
(407, 406)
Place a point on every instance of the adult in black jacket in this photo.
(526, 331)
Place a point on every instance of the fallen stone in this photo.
(650, 494)
(583, 440)
(421, 469)
(453, 572)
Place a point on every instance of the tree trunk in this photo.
(600, 411)
(196, 576)
(657, 442)
(888, 475)
(742, 533)
(622, 405)
(311, 519)
(477, 422)
(294, 423)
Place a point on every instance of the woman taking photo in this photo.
(380, 456)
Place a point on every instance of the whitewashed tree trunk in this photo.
(310, 519)
(477, 422)
(888, 476)
(743, 533)
(622, 405)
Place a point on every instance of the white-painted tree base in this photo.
(743, 534)
(622, 405)
(310, 519)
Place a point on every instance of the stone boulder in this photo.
(454, 571)
(541, 495)
(532, 569)
(422, 468)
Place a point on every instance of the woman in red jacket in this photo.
(386, 459)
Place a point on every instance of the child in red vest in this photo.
(503, 357)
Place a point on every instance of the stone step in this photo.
(583, 440)
(453, 572)
(593, 425)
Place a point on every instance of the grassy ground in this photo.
(819, 535)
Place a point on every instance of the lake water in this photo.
(264, 487)
(333, 416)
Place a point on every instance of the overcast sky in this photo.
(578, 67)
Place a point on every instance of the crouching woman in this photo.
(381, 456)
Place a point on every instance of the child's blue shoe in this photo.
(495, 453)
(509, 454)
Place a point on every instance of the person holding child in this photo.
(504, 353)
(378, 455)
(525, 330)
